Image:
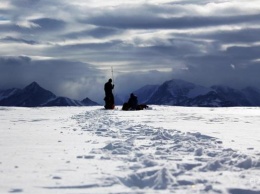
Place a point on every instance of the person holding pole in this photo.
(109, 97)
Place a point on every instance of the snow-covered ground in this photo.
(164, 149)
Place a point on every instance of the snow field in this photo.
(161, 150)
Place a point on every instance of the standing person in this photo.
(109, 97)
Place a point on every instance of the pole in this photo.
(112, 73)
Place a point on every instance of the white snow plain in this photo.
(164, 149)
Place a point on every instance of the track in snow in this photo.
(156, 158)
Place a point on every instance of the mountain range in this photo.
(173, 92)
(34, 95)
(182, 93)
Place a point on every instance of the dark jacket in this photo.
(133, 102)
(108, 87)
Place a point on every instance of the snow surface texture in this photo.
(161, 150)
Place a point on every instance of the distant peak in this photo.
(34, 85)
(88, 101)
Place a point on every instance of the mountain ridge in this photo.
(173, 92)
(34, 95)
(182, 93)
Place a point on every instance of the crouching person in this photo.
(131, 104)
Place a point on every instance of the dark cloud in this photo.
(103, 32)
(23, 3)
(156, 22)
(9, 62)
(19, 40)
(92, 46)
(155, 55)
(39, 26)
(67, 78)
(244, 53)
(224, 73)
(99, 32)
(247, 35)
(184, 2)
(102, 51)
(9, 27)
(2, 14)
(236, 67)
(48, 24)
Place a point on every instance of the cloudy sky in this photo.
(69, 46)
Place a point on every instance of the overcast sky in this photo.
(69, 46)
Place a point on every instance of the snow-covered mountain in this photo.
(183, 93)
(31, 96)
(8, 92)
(235, 96)
(173, 92)
(211, 99)
(177, 92)
(34, 95)
(253, 95)
(145, 92)
(88, 102)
